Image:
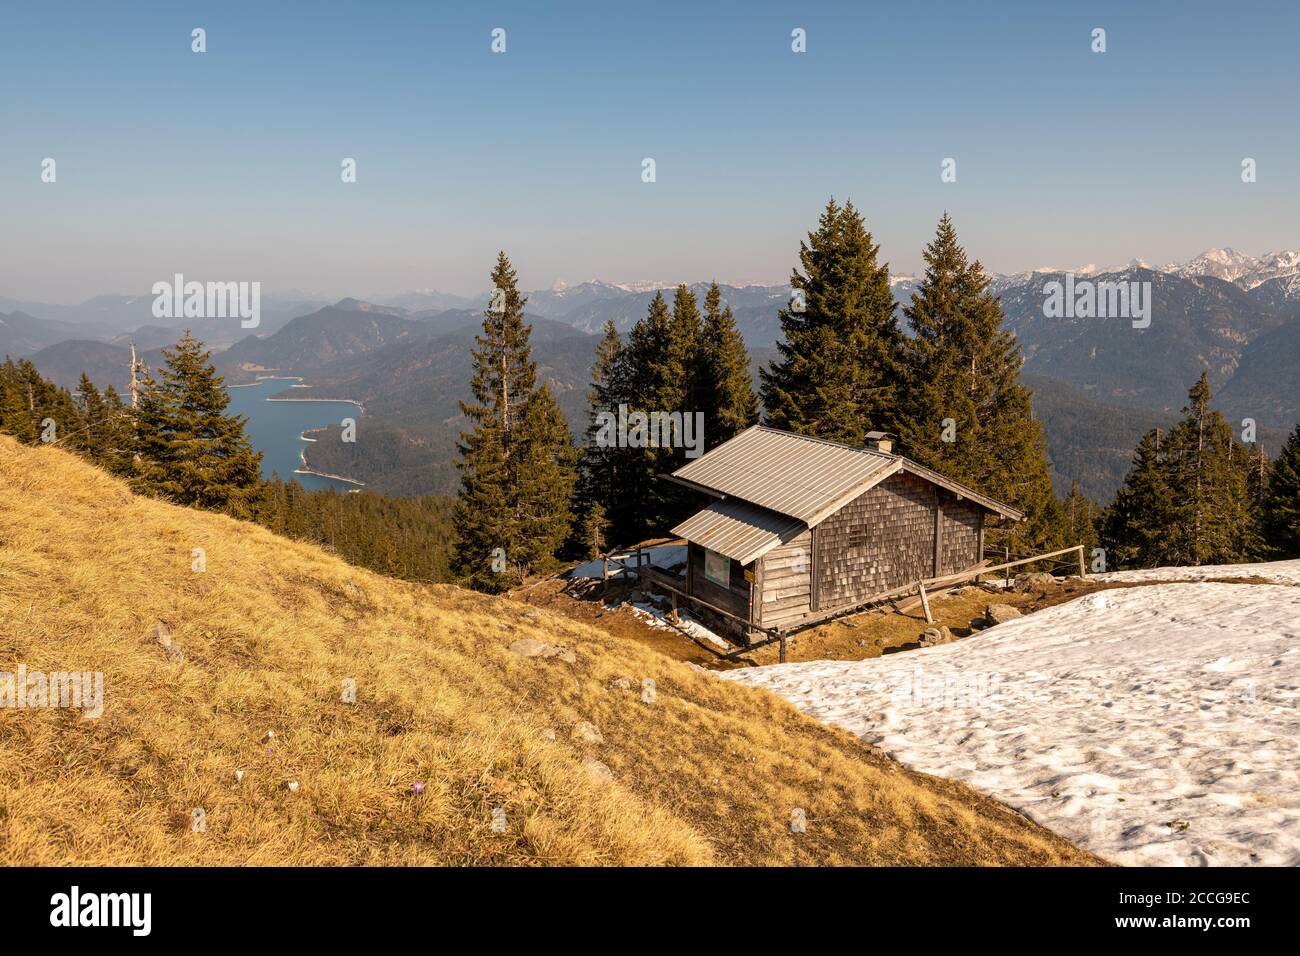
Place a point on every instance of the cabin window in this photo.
(717, 568)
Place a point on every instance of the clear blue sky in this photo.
(225, 165)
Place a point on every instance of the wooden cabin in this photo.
(802, 527)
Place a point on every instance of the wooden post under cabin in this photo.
(1083, 568)
(674, 617)
(925, 603)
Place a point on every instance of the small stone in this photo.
(586, 732)
(1000, 613)
(162, 636)
(798, 820)
(1038, 582)
(621, 683)
(291, 786)
(548, 733)
(597, 770)
(417, 788)
(937, 635)
(239, 776)
(529, 647)
(268, 736)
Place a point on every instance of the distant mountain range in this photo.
(1099, 383)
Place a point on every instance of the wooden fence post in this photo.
(604, 574)
(1083, 568)
(925, 602)
(783, 648)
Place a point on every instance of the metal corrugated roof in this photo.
(803, 477)
(788, 473)
(739, 529)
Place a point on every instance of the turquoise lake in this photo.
(275, 428)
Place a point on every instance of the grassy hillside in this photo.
(708, 773)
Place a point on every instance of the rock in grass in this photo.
(1000, 613)
(162, 636)
(531, 647)
(597, 770)
(585, 732)
(937, 635)
(1036, 582)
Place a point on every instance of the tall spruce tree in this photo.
(1281, 505)
(516, 467)
(1257, 471)
(1135, 527)
(658, 375)
(725, 392)
(1080, 516)
(1207, 477)
(837, 370)
(606, 509)
(963, 411)
(94, 417)
(544, 461)
(191, 451)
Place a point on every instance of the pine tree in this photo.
(963, 411)
(1207, 476)
(546, 471)
(1080, 518)
(657, 376)
(117, 439)
(17, 408)
(191, 451)
(837, 369)
(94, 418)
(599, 484)
(1135, 527)
(593, 532)
(517, 461)
(1257, 470)
(726, 393)
(1281, 505)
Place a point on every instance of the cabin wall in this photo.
(959, 543)
(735, 598)
(882, 539)
(786, 576)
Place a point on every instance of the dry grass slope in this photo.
(708, 774)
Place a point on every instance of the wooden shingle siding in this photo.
(787, 582)
(960, 540)
(882, 539)
(734, 599)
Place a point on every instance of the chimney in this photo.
(881, 441)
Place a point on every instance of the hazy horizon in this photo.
(226, 164)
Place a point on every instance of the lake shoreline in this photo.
(268, 427)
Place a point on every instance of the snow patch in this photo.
(1154, 726)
